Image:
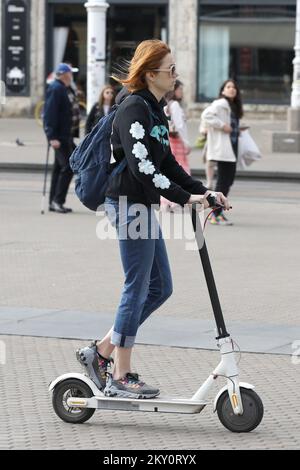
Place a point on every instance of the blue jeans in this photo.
(148, 281)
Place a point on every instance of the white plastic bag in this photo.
(248, 152)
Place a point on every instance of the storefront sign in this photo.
(15, 42)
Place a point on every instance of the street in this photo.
(56, 263)
(255, 262)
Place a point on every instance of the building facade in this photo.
(249, 40)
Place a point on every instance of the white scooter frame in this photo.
(239, 408)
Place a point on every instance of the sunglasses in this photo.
(172, 70)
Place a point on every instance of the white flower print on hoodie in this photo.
(137, 131)
(140, 151)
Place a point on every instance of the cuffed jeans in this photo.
(148, 281)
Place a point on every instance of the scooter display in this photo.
(75, 397)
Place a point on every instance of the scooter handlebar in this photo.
(212, 201)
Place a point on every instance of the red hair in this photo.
(148, 56)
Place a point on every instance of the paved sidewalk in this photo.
(29, 422)
(54, 271)
(32, 155)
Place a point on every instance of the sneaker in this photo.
(129, 387)
(223, 220)
(95, 364)
(213, 219)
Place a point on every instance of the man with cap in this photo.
(61, 124)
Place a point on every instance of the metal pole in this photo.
(96, 49)
(295, 98)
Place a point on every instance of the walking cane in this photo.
(45, 181)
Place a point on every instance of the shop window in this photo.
(253, 44)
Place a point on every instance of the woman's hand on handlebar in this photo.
(200, 199)
(221, 199)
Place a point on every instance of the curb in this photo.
(256, 175)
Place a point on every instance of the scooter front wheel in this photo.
(252, 414)
(71, 388)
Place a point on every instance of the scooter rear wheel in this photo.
(71, 388)
(251, 417)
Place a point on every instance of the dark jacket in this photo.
(151, 170)
(58, 113)
(95, 114)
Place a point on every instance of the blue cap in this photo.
(65, 68)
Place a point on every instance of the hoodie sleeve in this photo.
(133, 126)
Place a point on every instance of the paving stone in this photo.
(29, 421)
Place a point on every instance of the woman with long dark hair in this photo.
(221, 119)
(140, 135)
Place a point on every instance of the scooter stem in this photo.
(210, 281)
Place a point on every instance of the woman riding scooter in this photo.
(140, 134)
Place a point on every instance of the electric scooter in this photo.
(75, 397)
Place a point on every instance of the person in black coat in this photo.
(101, 108)
(60, 126)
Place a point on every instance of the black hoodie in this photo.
(151, 170)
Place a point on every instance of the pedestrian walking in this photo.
(61, 125)
(221, 119)
(178, 134)
(101, 108)
(140, 134)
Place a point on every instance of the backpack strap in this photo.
(119, 168)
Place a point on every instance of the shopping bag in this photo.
(248, 151)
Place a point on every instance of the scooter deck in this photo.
(163, 404)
